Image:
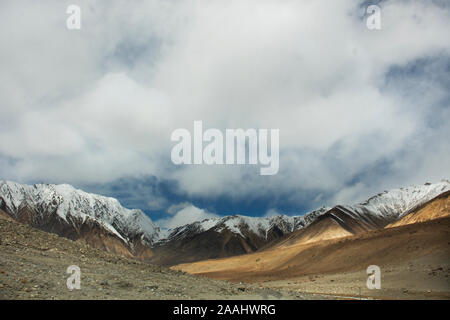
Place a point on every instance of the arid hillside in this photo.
(438, 208)
(33, 265)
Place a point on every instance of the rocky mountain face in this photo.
(100, 221)
(227, 236)
(438, 208)
(103, 223)
(388, 208)
(413, 254)
(33, 263)
(384, 208)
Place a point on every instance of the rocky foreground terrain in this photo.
(33, 265)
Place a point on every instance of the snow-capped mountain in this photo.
(233, 235)
(396, 203)
(70, 212)
(238, 224)
(377, 211)
(386, 207)
(226, 236)
(104, 223)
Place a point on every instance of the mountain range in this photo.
(103, 223)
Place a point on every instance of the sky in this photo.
(359, 111)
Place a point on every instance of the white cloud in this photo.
(186, 215)
(156, 204)
(98, 104)
(177, 207)
(271, 213)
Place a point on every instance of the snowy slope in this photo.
(243, 225)
(376, 211)
(71, 204)
(392, 205)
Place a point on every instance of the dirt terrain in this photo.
(33, 265)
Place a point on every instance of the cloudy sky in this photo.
(359, 111)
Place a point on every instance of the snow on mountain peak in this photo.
(237, 224)
(66, 201)
(396, 203)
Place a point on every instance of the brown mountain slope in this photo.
(206, 245)
(336, 242)
(324, 228)
(88, 231)
(439, 207)
(33, 265)
(389, 246)
(336, 223)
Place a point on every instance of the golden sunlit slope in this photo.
(332, 225)
(380, 247)
(436, 208)
(311, 251)
(324, 228)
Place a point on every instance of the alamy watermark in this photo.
(374, 279)
(73, 22)
(74, 281)
(373, 21)
(191, 150)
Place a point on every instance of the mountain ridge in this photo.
(103, 222)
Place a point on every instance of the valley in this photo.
(414, 259)
(323, 254)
